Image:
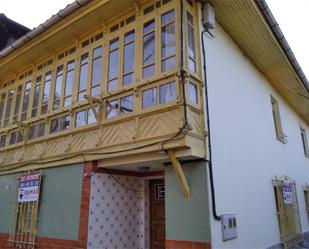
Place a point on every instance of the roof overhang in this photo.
(65, 28)
(250, 24)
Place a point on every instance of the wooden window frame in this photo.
(304, 140)
(277, 120)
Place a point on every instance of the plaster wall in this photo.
(246, 153)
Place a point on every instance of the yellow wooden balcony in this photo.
(110, 90)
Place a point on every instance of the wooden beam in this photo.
(180, 174)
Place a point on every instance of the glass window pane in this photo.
(95, 91)
(54, 125)
(81, 118)
(167, 17)
(191, 65)
(126, 104)
(2, 140)
(91, 117)
(97, 52)
(190, 18)
(168, 92)
(193, 93)
(41, 130)
(168, 40)
(69, 83)
(112, 85)
(168, 64)
(149, 26)
(83, 77)
(149, 97)
(129, 51)
(130, 36)
(128, 79)
(13, 138)
(114, 44)
(149, 71)
(191, 44)
(149, 49)
(96, 71)
(65, 122)
(113, 65)
(112, 109)
(67, 101)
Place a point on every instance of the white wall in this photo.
(246, 153)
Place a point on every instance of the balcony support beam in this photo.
(180, 174)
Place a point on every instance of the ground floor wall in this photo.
(187, 220)
(64, 207)
(83, 207)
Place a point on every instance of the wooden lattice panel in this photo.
(33, 151)
(160, 124)
(118, 133)
(57, 147)
(85, 141)
(196, 122)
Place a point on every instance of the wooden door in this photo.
(157, 214)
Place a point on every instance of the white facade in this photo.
(246, 153)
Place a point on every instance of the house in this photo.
(154, 124)
(10, 31)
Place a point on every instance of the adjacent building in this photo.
(154, 124)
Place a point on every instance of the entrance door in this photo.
(157, 214)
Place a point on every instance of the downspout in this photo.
(209, 160)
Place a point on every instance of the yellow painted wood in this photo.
(180, 174)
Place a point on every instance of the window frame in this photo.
(304, 139)
(277, 121)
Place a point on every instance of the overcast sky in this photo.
(292, 16)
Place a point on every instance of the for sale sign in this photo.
(287, 193)
(28, 188)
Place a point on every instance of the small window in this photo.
(304, 141)
(128, 55)
(60, 124)
(168, 92)
(119, 107)
(58, 88)
(277, 121)
(150, 97)
(36, 131)
(46, 93)
(149, 49)
(36, 96)
(96, 74)
(17, 104)
(2, 140)
(193, 93)
(16, 137)
(112, 84)
(83, 77)
(69, 81)
(85, 117)
(191, 43)
(168, 50)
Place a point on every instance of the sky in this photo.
(292, 16)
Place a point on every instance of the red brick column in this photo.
(181, 244)
(81, 243)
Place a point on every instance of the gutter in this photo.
(42, 27)
(282, 41)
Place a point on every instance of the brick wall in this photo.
(81, 243)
